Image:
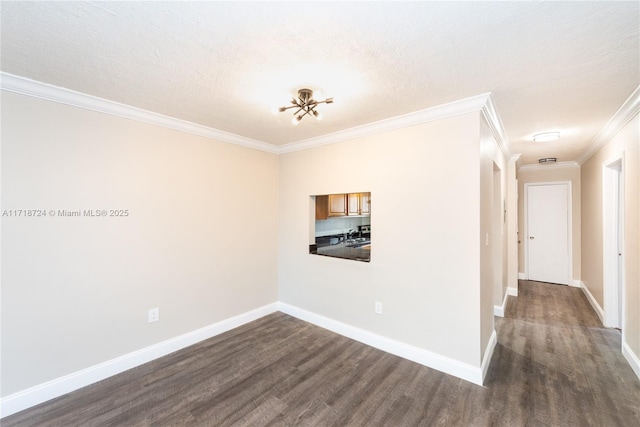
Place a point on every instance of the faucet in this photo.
(350, 234)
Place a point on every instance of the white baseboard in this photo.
(51, 389)
(576, 283)
(441, 363)
(488, 353)
(521, 276)
(498, 310)
(632, 358)
(512, 291)
(590, 298)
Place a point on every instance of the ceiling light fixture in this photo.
(305, 104)
(546, 136)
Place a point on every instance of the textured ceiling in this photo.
(564, 66)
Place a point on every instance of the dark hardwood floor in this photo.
(554, 365)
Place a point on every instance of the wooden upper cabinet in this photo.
(322, 207)
(365, 203)
(338, 204)
(359, 204)
(333, 205)
(353, 204)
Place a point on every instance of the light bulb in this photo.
(318, 115)
(295, 120)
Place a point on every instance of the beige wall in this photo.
(493, 266)
(512, 223)
(425, 260)
(552, 173)
(200, 241)
(625, 142)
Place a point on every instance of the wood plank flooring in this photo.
(554, 365)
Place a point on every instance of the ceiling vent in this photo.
(548, 160)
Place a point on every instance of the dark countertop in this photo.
(342, 250)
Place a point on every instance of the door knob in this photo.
(531, 237)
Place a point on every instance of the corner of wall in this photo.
(632, 358)
(41, 393)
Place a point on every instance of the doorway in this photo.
(613, 241)
(548, 232)
(497, 233)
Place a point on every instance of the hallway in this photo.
(554, 365)
(557, 365)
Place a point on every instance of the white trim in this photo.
(558, 165)
(627, 111)
(591, 299)
(512, 291)
(51, 389)
(492, 118)
(482, 102)
(575, 283)
(441, 363)
(516, 159)
(632, 358)
(488, 353)
(612, 237)
(498, 310)
(521, 276)
(24, 86)
(569, 188)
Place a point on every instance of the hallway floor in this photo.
(557, 365)
(554, 365)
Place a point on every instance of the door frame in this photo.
(613, 279)
(567, 185)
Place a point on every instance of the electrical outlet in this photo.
(154, 314)
(378, 307)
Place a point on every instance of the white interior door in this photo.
(613, 240)
(548, 233)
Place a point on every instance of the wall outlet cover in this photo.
(154, 315)
(378, 307)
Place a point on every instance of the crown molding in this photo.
(24, 86)
(481, 102)
(629, 109)
(558, 165)
(492, 117)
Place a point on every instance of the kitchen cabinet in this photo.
(353, 205)
(359, 204)
(322, 207)
(365, 204)
(338, 205)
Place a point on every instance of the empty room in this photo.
(319, 213)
